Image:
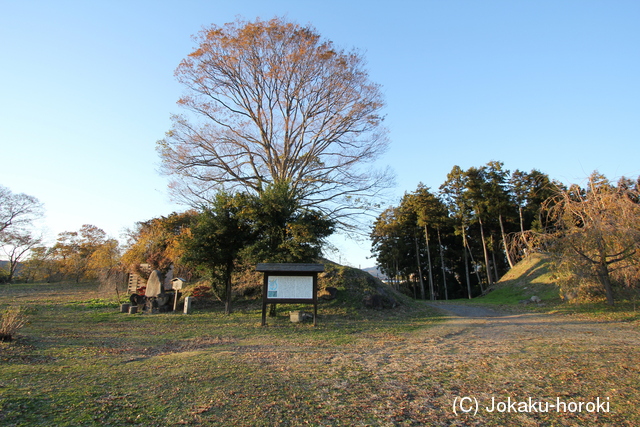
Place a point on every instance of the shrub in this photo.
(202, 292)
(13, 319)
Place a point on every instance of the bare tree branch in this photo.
(269, 102)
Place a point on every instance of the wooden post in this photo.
(315, 299)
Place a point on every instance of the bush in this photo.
(13, 319)
(4, 276)
(202, 292)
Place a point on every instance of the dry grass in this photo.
(13, 319)
(81, 363)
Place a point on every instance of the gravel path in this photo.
(465, 310)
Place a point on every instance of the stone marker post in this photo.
(187, 305)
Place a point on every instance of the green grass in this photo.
(532, 276)
(79, 362)
(528, 278)
(82, 362)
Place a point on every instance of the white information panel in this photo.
(290, 287)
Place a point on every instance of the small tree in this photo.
(214, 242)
(17, 213)
(283, 229)
(157, 242)
(74, 251)
(16, 246)
(41, 264)
(597, 231)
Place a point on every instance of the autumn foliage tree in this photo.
(15, 246)
(269, 102)
(85, 254)
(597, 233)
(158, 242)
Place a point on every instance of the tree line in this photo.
(274, 151)
(85, 254)
(456, 242)
(234, 232)
(17, 214)
(453, 243)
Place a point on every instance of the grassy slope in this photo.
(530, 277)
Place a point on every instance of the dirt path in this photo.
(484, 354)
(466, 310)
(478, 327)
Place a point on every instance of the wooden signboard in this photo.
(290, 283)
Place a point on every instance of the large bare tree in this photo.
(270, 102)
(17, 210)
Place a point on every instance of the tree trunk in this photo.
(422, 296)
(444, 275)
(227, 302)
(486, 254)
(473, 261)
(522, 235)
(466, 263)
(227, 297)
(397, 277)
(605, 281)
(466, 271)
(426, 236)
(495, 264)
(415, 292)
(504, 242)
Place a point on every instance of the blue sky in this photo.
(87, 88)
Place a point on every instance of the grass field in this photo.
(79, 362)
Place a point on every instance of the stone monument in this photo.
(154, 284)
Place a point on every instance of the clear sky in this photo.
(87, 88)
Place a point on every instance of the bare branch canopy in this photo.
(269, 102)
